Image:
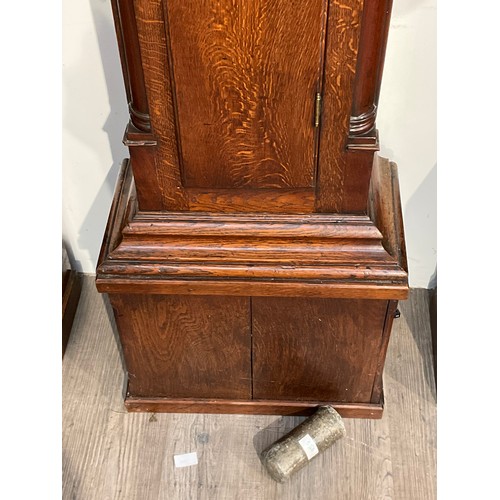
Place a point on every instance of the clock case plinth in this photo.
(262, 277)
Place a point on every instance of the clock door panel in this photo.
(189, 346)
(316, 349)
(245, 76)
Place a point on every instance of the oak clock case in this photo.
(254, 253)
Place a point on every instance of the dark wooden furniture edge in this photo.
(377, 391)
(71, 289)
(252, 288)
(433, 318)
(117, 217)
(255, 407)
(384, 208)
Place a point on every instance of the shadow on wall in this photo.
(420, 213)
(114, 126)
(402, 7)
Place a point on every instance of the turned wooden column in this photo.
(372, 45)
(126, 29)
(139, 136)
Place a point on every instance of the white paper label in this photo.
(309, 446)
(186, 459)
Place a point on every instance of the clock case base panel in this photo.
(255, 313)
(251, 407)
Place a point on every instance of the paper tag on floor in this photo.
(186, 459)
(309, 446)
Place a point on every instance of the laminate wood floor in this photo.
(111, 454)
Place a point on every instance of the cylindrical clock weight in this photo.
(294, 451)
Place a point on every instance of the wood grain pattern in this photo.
(214, 354)
(363, 138)
(356, 179)
(340, 68)
(156, 68)
(180, 346)
(143, 164)
(295, 253)
(254, 407)
(138, 135)
(324, 255)
(245, 75)
(384, 208)
(108, 453)
(317, 349)
(293, 201)
(332, 290)
(377, 392)
(124, 192)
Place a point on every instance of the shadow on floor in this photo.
(415, 311)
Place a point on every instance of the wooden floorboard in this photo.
(411, 393)
(111, 454)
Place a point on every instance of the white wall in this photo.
(94, 118)
(95, 115)
(407, 125)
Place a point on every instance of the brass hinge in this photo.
(317, 109)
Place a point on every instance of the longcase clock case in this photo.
(254, 253)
